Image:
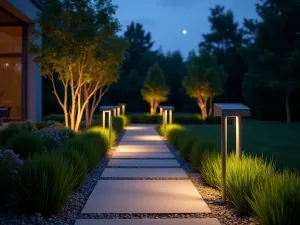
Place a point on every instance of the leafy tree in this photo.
(205, 80)
(273, 51)
(80, 51)
(155, 89)
(224, 40)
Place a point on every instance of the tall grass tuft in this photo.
(211, 167)
(46, 182)
(242, 176)
(277, 201)
(103, 135)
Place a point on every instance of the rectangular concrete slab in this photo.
(144, 173)
(188, 221)
(145, 196)
(137, 155)
(141, 149)
(143, 163)
(154, 143)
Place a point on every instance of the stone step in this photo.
(143, 163)
(138, 155)
(145, 196)
(189, 221)
(144, 173)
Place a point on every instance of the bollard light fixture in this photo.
(122, 105)
(225, 110)
(165, 111)
(107, 110)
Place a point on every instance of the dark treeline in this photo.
(260, 57)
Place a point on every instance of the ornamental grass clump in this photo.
(26, 144)
(211, 168)
(173, 133)
(79, 162)
(277, 200)
(242, 176)
(46, 182)
(9, 173)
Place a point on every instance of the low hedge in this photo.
(145, 118)
(252, 184)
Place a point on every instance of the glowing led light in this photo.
(184, 32)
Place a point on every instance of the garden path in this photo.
(145, 181)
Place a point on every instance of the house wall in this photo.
(27, 12)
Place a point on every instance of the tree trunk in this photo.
(287, 108)
(210, 106)
(202, 103)
(203, 112)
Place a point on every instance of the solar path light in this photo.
(225, 110)
(160, 110)
(107, 110)
(122, 105)
(165, 110)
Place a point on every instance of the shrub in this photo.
(242, 176)
(46, 182)
(55, 117)
(90, 145)
(53, 137)
(145, 118)
(9, 167)
(277, 201)
(125, 119)
(117, 124)
(217, 120)
(24, 125)
(103, 135)
(197, 152)
(25, 144)
(211, 168)
(187, 119)
(174, 131)
(7, 133)
(79, 162)
(185, 143)
(49, 124)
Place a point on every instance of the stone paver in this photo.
(202, 221)
(142, 150)
(154, 143)
(143, 163)
(144, 173)
(145, 196)
(138, 155)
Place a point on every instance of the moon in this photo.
(184, 32)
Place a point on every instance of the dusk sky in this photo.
(166, 19)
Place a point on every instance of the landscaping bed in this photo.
(49, 181)
(254, 187)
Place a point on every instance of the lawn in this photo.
(275, 140)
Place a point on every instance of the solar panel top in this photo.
(107, 107)
(167, 107)
(231, 109)
(231, 106)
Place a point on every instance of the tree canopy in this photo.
(155, 89)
